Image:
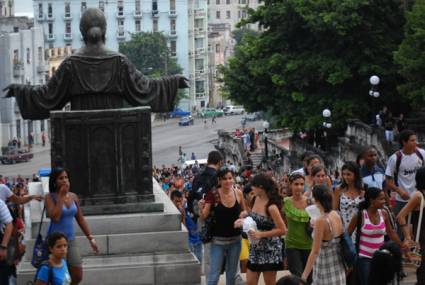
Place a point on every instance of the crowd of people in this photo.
(251, 220)
(297, 220)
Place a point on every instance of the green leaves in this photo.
(314, 55)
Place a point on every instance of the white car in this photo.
(234, 110)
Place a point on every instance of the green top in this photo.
(297, 219)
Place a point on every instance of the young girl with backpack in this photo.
(54, 271)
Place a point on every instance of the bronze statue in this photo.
(96, 78)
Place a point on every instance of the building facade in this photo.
(220, 48)
(231, 12)
(183, 22)
(22, 60)
(7, 8)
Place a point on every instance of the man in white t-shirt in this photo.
(401, 168)
(7, 195)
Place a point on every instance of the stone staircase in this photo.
(143, 248)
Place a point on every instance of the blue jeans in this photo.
(363, 269)
(218, 255)
(196, 249)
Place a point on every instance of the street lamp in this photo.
(374, 93)
(266, 125)
(326, 113)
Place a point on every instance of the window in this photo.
(242, 2)
(120, 7)
(155, 25)
(121, 23)
(154, 6)
(217, 2)
(227, 2)
(50, 28)
(102, 5)
(59, 51)
(28, 53)
(40, 54)
(83, 7)
(200, 88)
(199, 23)
(173, 48)
(173, 25)
(228, 16)
(49, 10)
(138, 26)
(243, 14)
(67, 10)
(217, 14)
(172, 5)
(199, 43)
(199, 64)
(239, 14)
(40, 10)
(217, 48)
(68, 27)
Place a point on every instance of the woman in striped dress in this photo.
(372, 222)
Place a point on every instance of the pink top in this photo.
(372, 236)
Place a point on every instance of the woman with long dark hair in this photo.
(298, 239)
(227, 202)
(325, 257)
(348, 196)
(63, 206)
(371, 224)
(265, 255)
(385, 267)
(413, 206)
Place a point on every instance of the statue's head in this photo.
(93, 26)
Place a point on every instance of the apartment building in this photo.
(21, 61)
(183, 22)
(7, 8)
(230, 12)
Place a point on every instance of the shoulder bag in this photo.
(206, 232)
(40, 252)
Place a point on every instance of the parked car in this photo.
(186, 121)
(252, 116)
(13, 155)
(234, 110)
(211, 112)
(178, 113)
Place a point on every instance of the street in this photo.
(166, 139)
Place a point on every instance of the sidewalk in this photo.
(261, 282)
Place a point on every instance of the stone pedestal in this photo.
(109, 157)
(135, 249)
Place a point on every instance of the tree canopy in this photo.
(314, 55)
(411, 55)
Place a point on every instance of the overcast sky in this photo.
(23, 7)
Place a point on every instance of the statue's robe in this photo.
(96, 82)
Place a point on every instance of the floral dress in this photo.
(348, 207)
(266, 253)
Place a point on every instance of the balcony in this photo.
(199, 31)
(50, 37)
(199, 51)
(172, 34)
(155, 13)
(199, 13)
(199, 73)
(121, 35)
(67, 17)
(18, 69)
(67, 36)
(137, 14)
(172, 13)
(42, 68)
(120, 15)
(200, 94)
(40, 17)
(50, 18)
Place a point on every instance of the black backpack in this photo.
(202, 183)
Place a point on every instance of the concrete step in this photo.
(130, 243)
(158, 269)
(125, 223)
